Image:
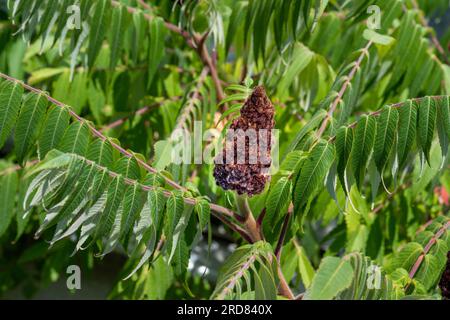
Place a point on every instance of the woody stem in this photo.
(247, 216)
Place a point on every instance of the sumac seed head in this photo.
(248, 177)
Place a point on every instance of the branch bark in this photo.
(248, 218)
(427, 249)
(139, 112)
(283, 232)
(283, 288)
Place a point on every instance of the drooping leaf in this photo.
(56, 122)
(10, 100)
(236, 19)
(444, 107)
(385, 136)
(116, 192)
(363, 141)
(132, 205)
(333, 276)
(157, 35)
(344, 142)
(148, 222)
(304, 267)
(101, 152)
(203, 212)
(406, 130)
(76, 202)
(443, 125)
(175, 207)
(427, 117)
(277, 200)
(119, 23)
(30, 117)
(181, 258)
(75, 139)
(100, 21)
(8, 191)
(137, 35)
(313, 173)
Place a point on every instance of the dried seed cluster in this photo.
(444, 284)
(248, 177)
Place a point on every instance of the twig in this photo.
(121, 121)
(17, 167)
(351, 75)
(235, 278)
(194, 41)
(146, 109)
(144, 4)
(284, 288)
(283, 233)
(261, 217)
(204, 55)
(390, 196)
(139, 112)
(427, 249)
(433, 38)
(248, 218)
(242, 232)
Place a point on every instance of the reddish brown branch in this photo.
(283, 287)
(433, 38)
(252, 227)
(283, 232)
(390, 196)
(351, 75)
(260, 219)
(248, 219)
(194, 41)
(427, 249)
(121, 121)
(17, 167)
(139, 112)
(144, 4)
(242, 232)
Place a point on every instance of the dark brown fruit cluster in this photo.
(444, 284)
(248, 177)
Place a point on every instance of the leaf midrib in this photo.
(315, 167)
(22, 145)
(341, 265)
(9, 105)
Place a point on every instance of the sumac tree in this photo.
(96, 98)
